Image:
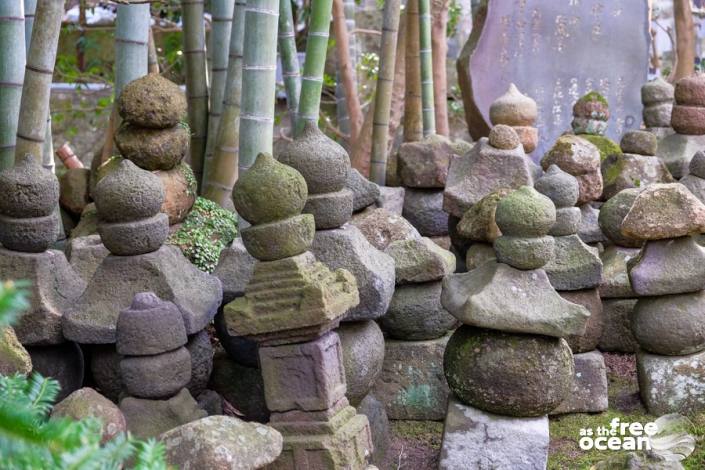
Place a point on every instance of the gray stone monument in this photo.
(555, 52)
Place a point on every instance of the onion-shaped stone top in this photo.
(322, 162)
(28, 190)
(525, 213)
(690, 91)
(657, 91)
(592, 106)
(152, 101)
(559, 186)
(504, 137)
(269, 191)
(697, 164)
(128, 193)
(513, 109)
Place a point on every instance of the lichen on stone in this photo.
(204, 233)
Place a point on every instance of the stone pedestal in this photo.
(412, 385)
(589, 390)
(476, 439)
(672, 384)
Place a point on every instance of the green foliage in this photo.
(455, 11)
(208, 229)
(30, 440)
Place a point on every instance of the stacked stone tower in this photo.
(28, 227)
(590, 120)
(494, 163)
(576, 271)
(155, 365)
(155, 137)
(657, 98)
(131, 226)
(520, 112)
(669, 275)
(290, 306)
(687, 120)
(695, 179)
(509, 358)
(636, 166)
(618, 297)
(325, 166)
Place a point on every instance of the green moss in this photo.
(189, 177)
(605, 145)
(207, 229)
(594, 96)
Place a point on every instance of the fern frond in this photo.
(41, 393)
(13, 301)
(149, 455)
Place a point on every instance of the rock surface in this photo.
(86, 402)
(416, 313)
(363, 353)
(381, 228)
(617, 334)
(150, 418)
(14, 358)
(473, 438)
(423, 208)
(589, 391)
(420, 260)
(221, 443)
(670, 266)
(672, 384)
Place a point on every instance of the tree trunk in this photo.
(196, 82)
(346, 70)
(413, 126)
(258, 80)
(222, 20)
(426, 55)
(12, 63)
(131, 59)
(685, 40)
(223, 172)
(439, 45)
(34, 107)
(152, 58)
(290, 60)
(316, 48)
(383, 93)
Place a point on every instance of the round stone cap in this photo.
(28, 190)
(525, 213)
(504, 137)
(128, 193)
(322, 162)
(690, 91)
(513, 109)
(269, 191)
(152, 101)
(657, 91)
(592, 106)
(559, 186)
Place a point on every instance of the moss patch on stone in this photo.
(207, 229)
(605, 145)
(594, 96)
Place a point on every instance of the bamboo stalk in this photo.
(316, 48)
(383, 93)
(289, 59)
(12, 63)
(30, 7)
(222, 21)
(346, 70)
(439, 46)
(34, 106)
(426, 56)
(196, 82)
(152, 58)
(223, 171)
(413, 126)
(341, 104)
(258, 81)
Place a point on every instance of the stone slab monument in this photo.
(555, 52)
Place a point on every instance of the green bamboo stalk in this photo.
(223, 171)
(383, 93)
(413, 127)
(131, 44)
(290, 60)
(222, 21)
(36, 90)
(426, 54)
(258, 80)
(12, 63)
(316, 48)
(196, 81)
(30, 7)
